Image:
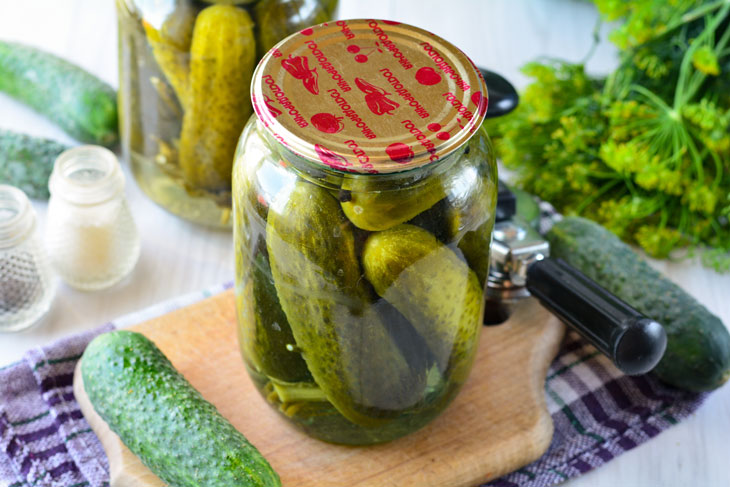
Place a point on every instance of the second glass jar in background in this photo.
(184, 73)
(364, 203)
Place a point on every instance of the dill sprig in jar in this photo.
(92, 239)
(26, 282)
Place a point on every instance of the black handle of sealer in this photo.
(634, 343)
(503, 97)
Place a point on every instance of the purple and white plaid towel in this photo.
(598, 413)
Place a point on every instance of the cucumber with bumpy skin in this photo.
(163, 420)
(342, 338)
(698, 344)
(432, 287)
(80, 103)
(222, 56)
(26, 162)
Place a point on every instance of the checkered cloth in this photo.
(598, 412)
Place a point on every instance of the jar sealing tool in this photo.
(521, 266)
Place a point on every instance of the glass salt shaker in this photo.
(26, 279)
(92, 239)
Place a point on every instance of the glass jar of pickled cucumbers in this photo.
(184, 73)
(364, 192)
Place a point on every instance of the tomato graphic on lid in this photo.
(307, 32)
(428, 76)
(327, 123)
(330, 158)
(391, 22)
(400, 153)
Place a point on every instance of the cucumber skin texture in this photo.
(222, 58)
(432, 287)
(163, 420)
(698, 344)
(375, 210)
(26, 162)
(264, 328)
(80, 103)
(320, 287)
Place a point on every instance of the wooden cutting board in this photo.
(497, 424)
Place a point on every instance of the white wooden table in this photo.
(178, 257)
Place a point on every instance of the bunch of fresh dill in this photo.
(645, 151)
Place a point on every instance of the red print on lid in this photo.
(368, 96)
(330, 158)
(376, 98)
(362, 52)
(400, 152)
(298, 66)
(428, 76)
(327, 123)
(481, 102)
(275, 112)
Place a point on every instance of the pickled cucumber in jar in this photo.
(222, 55)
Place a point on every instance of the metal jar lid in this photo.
(369, 96)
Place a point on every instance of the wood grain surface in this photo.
(497, 423)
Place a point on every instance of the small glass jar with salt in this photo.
(91, 236)
(26, 279)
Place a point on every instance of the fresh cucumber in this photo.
(26, 162)
(163, 420)
(698, 345)
(527, 207)
(81, 104)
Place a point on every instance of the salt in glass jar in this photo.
(91, 236)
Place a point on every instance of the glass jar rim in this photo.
(86, 175)
(17, 216)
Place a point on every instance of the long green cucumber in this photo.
(80, 103)
(26, 162)
(319, 282)
(163, 420)
(698, 344)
